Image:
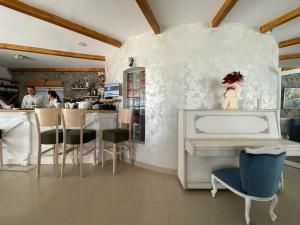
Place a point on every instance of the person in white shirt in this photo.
(54, 99)
(32, 99)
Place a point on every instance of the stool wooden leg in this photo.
(81, 160)
(56, 161)
(1, 153)
(130, 152)
(102, 154)
(63, 160)
(38, 169)
(77, 154)
(95, 154)
(73, 157)
(120, 156)
(114, 158)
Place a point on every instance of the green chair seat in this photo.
(73, 136)
(49, 137)
(116, 135)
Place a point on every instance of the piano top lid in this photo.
(241, 124)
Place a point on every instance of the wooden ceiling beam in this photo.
(284, 68)
(223, 11)
(47, 51)
(88, 69)
(289, 56)
(289, 42)
(145, 7)
(59, 21)
(280, 20)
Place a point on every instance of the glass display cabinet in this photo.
(134, 98)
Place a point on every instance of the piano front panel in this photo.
(232, 124)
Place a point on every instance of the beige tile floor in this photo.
(133, 197)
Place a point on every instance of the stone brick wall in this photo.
(291, 81)
(66, 77)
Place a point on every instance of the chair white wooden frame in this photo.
(75, 119)
(247, 198)
(48, 118)
(124, 117)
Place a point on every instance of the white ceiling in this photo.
(122, 19)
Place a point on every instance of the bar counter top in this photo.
(31, 110)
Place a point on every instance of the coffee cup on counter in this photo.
(67, 106)
(71, 105)
(82, 105)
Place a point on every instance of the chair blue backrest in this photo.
(260, 173)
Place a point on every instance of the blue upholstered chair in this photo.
(257, 178)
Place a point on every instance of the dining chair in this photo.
(48, 118)
(75, 134)
(257, 178)
(118, 137)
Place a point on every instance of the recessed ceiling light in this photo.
(21, 57)
(81, 43)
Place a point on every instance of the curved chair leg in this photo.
(272, 207)
(214, 186)
(281, 184)
(247, 210)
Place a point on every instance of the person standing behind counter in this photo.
(32, 99)
(54, 99)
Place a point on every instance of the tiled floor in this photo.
(133, 197)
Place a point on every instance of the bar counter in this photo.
(31, 110)
(19, 133)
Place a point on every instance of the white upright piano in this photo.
(209, 140)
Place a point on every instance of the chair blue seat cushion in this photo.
(49, 137)
(231, 177)
(73, 136)
(116, 135)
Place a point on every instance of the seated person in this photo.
(32, 99)
(53, 98)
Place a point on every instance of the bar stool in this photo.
(73, 121)
(48, 118)
(118, 136)
(1, 153)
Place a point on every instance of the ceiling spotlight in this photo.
(81, 43)
(20, 57)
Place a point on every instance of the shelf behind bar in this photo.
(9, 80)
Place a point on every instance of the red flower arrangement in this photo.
(233, 77)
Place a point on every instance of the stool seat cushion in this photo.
(49, 137)
(231, 177)
(73, 136)
(116, 135)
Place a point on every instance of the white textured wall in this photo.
(184, 69)
(4, 73)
